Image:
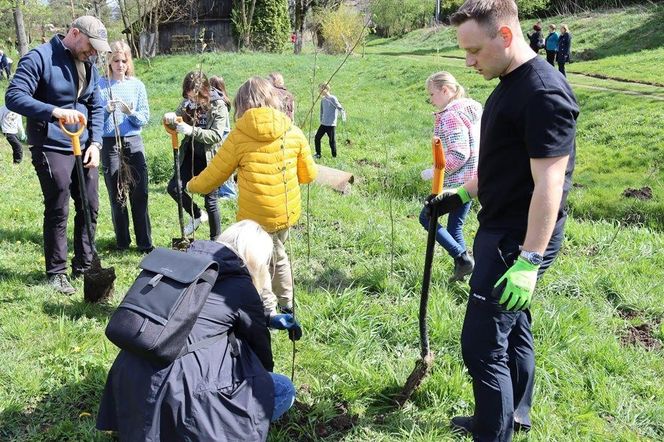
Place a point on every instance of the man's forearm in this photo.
(542, 216)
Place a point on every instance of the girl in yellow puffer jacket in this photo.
(272, 158)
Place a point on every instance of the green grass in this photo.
(357, 294)
(617, 43)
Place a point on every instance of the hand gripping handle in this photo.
(173, 133)
(75, 140)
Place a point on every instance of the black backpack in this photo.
(156, 316)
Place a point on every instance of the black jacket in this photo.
(207, 394)
(564, 46)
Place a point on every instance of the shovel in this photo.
(424, 364)
(181, 243)
(97, 281)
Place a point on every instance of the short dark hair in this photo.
(487, 13)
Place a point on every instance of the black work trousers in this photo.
(186, 174)
(497, 345)
(329, 130)
(550, 57)
(133, 154)
(58, 180)
(17, 147)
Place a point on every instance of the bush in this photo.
(340, 28)
(397, 17)
(270, 29)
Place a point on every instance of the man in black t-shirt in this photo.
(526, 159)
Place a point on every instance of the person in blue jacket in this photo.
(5, 65)
(551, 44)
(58, 81)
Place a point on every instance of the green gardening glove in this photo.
(517, 285)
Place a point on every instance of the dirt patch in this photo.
(348, 142)
(644, 193)
(365, 162)
(301, 416)
(627, 314)
(578, 185)
(641, 335)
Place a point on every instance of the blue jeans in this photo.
(284, 395)
(451, 238)
(228, 189)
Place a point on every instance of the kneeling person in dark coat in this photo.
(209, 394)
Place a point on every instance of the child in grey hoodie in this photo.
(329, 109)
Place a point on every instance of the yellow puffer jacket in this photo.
(271, 155)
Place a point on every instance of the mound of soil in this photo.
(301, 415)
(644, 193)
(641, 335)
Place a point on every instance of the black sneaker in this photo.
(462, 425)
(463, 266)
(317, 156)
(60, 283)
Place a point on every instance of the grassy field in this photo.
(598, 313)
(619, 43)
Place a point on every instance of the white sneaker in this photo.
(194, 223)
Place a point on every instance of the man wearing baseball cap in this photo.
(58, 81)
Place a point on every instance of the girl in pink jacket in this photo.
(457, 124)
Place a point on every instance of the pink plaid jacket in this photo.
(458, 127)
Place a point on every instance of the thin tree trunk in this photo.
(300, 13)
(20, 29)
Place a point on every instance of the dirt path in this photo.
(584, 81)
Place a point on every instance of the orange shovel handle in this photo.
(438, 166)
(75, 140)
(173, 133)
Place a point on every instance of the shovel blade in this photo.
(98, 282)
(180, 243)
(421, 370)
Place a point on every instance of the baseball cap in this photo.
(95, 30)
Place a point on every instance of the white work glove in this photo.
(124, 107)
(343, 116)
(427, 174)
(184, 128)
(110, 107)
(170, 117)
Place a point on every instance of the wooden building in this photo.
(209, 20)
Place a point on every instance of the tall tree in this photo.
(242, 17)
(20, 28)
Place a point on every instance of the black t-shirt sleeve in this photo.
(550, 125)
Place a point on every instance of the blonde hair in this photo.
(254, 247)
(564, 28)
(256, 92)
(324, 87)
(276, 79)
(444, 78)
(121, 48)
